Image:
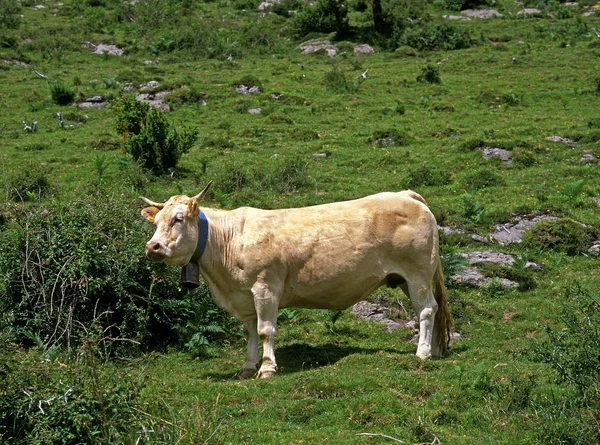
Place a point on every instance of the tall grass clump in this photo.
(562, 235)
(28, 184)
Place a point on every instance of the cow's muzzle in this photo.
(155, 250)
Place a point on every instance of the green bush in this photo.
(435, 36)
(10, 11)
(61, 94)
(429, 74)
(336, 81)
(150, 139)
(324, 16)
(70, 270)
(562, 235)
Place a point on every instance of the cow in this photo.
(327, 256)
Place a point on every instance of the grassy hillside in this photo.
(100, 346)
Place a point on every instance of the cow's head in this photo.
(176, 222)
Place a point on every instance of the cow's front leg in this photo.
(266, 301)
(251, 364)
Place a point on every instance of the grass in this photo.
(525, 80)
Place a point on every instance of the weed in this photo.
(391, 137)
(562, 235)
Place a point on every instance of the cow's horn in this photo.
(158, 205)
(200, 195)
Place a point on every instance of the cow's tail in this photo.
(443, 320)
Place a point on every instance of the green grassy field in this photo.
(520, 81)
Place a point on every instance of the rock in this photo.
(513, 232)
(311, 46)
(529, 11)
(103, 48)
(385, 142)
(480, 239)
(488, 258)
(595, 249)
(321, 155)
(471, 277)
(450, 230)
(561, 140)
(255, 111)
(266, 5)
(595, 199)
(374, 312)
(151, 62)
(503, 155)
(244, 89)
(364, 49)
(156, 100)
(481, 13)
(588, 158)
(276, 96)
(149, 86)
(95, 99)
(456, 17)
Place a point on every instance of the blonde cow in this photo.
(327, 256)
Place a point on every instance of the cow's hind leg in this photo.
(266, 302)
(424, 304)
(251, 364)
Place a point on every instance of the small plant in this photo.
(429, 74)
(61, 94)
(389, 138)
(471, 208)
(101, 163)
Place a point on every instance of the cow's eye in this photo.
(177, 218)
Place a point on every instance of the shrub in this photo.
(471, 208)
(10, 11)
(130, 115)
(324, 16)
(429, 74)
(62, 95)
(67, 271)
(562, 235)
(158, 146)
(434, 36)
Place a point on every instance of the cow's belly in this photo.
(339, 292)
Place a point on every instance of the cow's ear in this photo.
(149, 213)
(193, 209)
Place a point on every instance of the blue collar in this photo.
(202, 237)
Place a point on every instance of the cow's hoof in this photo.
(266, 372)
(245, 373)
(424, 355)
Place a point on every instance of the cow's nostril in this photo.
(155, 246)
